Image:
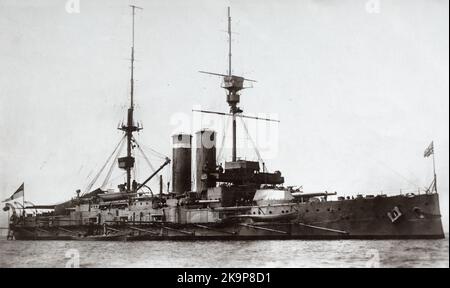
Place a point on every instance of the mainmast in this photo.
(233, 84)
(127, 163)
(233, 106)
(229, 42)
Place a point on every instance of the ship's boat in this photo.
(238, 200)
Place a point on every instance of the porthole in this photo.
(270, 212)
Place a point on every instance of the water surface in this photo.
(271, 253)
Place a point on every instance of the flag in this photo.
(429, 151)
(19, 193)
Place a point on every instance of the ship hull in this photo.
(397, 217)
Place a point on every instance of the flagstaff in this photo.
(434, 171)
(430, 152)
(23, 202)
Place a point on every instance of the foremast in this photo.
(127, 162)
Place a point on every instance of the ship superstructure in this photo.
(240, 200)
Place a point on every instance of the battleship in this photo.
(240, 200)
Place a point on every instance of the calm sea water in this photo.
(291, 253)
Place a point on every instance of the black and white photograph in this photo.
(224, 134)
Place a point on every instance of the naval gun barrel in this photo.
(310, 195)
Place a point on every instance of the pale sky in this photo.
(360, 92)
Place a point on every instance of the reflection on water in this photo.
(288, 253)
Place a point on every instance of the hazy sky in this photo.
(361, 88)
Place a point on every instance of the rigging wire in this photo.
(117, 177)
(89, 186)
(148, 161)
(136, 165)
(254, 145)
(222, 145)
(398, 173)
(154, 152)
(145, 156)
(409, 181)
(108, 176)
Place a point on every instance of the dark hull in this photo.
(348, 219)
(20, 236)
